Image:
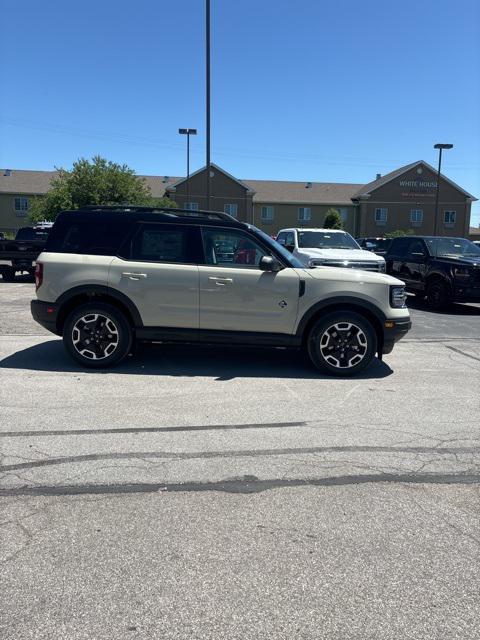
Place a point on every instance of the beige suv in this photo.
(110, 276)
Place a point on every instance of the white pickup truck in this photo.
(328, 247)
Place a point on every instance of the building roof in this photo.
(21, 181)
(242, 183)
(372, 186)
(38, 182)
(298, 192)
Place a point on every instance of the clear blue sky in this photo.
(301, 90)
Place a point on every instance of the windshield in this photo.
(453, 247)
(275, 246)
(326, 240)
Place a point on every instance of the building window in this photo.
(381, 216)
(304, 214)
(343, 211)
(266, 214)
(231, 209)
(449, 217)
(416, 216)
(21, 206)
(191, 206)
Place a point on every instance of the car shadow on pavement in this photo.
(454, 309)
(222, 363)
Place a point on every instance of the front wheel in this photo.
(437, 294)
(97, 335)
(342, 343)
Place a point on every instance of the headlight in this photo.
(397, 297)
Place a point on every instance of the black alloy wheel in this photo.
(97, 335)
(437, 294)
(343, 343)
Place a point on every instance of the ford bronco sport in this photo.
(110, 276)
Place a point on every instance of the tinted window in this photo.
(326, 240)
(161, 243)
(88, 236)
(417, 246)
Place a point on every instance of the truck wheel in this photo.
(8, 274)
(97, 335)
(437, 294)
(343, 343)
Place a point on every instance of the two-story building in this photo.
(403, 199)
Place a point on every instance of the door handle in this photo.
(220, 280)
(133, 275)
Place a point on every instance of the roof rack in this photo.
(168, 210)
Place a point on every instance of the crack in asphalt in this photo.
(246, 485)
(462, 353)
(255, 453)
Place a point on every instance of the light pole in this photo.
(207, 59)
(440, 147)
(188, 133)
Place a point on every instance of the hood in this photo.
(471, 261)
(351, 275)
(341, 254)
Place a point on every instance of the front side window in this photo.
(161, 243)
(21, 205)
(231, 209)
(227, 248)
(191, 206)
(304, 214)
(449, 217)
(416, 216)
(326, 240)
(381, 215)
(267, 214)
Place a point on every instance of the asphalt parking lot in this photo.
(229, 493)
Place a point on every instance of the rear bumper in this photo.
(393, 331)
(45, 313)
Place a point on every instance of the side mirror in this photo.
(267, 263)
(290, 247)
(281, 241)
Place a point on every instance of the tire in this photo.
(326, 341)
(437, 294)
(8, 274)
(110, 331)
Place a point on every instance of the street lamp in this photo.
(440, 147)
(188, 133)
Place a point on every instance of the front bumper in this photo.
(393, 331)
(45, 313)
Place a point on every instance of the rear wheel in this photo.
(97, 335)
(437, 294)
(342, 343)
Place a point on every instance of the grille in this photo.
(350, 264)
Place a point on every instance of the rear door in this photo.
(235, 295)
(159, 274)
(416, 264)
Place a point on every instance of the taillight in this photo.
(38, 275)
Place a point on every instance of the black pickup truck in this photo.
(19, 255)
(441, 269)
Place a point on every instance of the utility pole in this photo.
(207, 31)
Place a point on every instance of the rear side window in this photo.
(88, 236)
(165, 243)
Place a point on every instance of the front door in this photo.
(235, 295)
(159, 275)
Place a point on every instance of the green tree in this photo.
(398, 233)
(333, 219)
(98, 181)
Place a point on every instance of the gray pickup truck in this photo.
(19, 255)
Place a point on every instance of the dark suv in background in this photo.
(443, 270)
